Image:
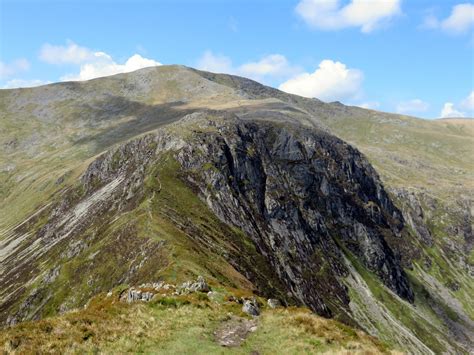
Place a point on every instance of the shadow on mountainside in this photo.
(143, 118)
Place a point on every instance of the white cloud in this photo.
(331, 81)
(449, 111)
(459, 21)
(329, 15)
(412, 106)
(102, 64)
(270, 67)
(275, 65)
(92, 64)
(13, 68)
(69, 54)
(463, 109)
(20, 83)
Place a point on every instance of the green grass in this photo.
(410, 152)
(183, 325)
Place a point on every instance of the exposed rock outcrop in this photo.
(134, 295)
(200, 285)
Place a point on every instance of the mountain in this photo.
(168, 173)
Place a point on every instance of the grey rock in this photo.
(185, 288)
(134, 295)
(251, 307)
(147, 296)
(200, 285)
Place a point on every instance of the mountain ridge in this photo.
(95, 120)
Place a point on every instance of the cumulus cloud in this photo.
(331, 81)
(412, 106)
(273, 66)
(102, 64)
(462, 109)
(12, 68)
(92, 64)
(20, 83)
(461, 20)
(330, 15)
(448, 110)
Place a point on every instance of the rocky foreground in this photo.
(163, 318)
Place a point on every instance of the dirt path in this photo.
(233, 332)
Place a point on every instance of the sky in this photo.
(414, 57)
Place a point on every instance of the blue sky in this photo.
(412, 57)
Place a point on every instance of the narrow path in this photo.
(233, 332)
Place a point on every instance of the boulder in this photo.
(134, 295)
(200, 285)
(251, 307)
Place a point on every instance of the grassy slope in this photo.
(408, 152)
(183, 237)
(181, 325)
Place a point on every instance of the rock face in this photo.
(414, 215)
(303, 196)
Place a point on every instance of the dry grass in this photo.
(183, 325)
(303, 332)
